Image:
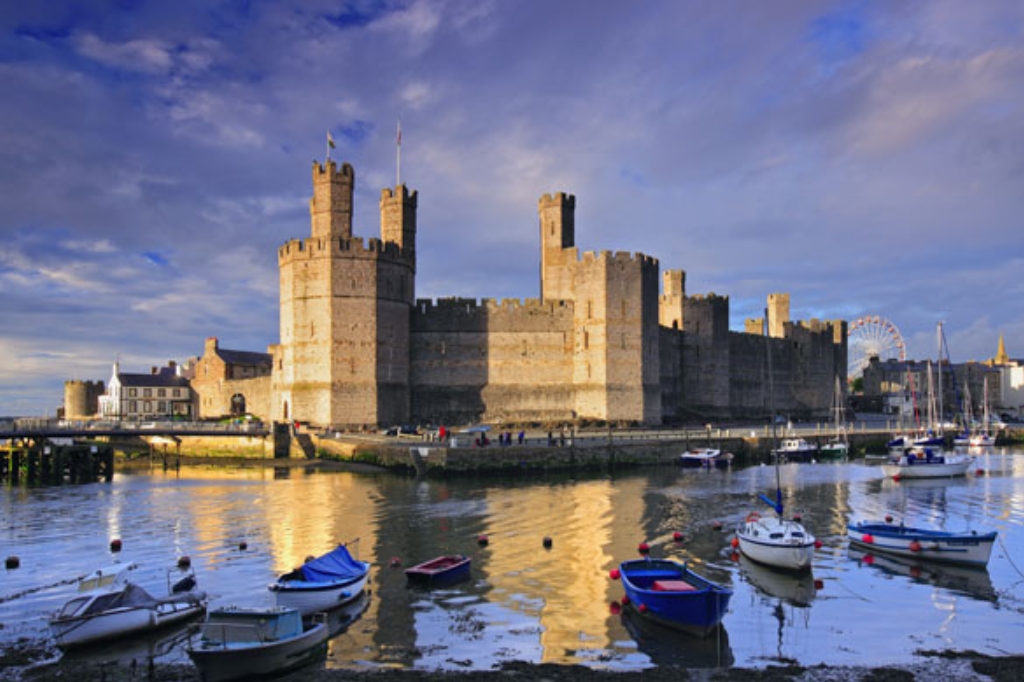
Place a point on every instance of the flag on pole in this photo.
(330, 140)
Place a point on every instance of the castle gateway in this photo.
(600, 343)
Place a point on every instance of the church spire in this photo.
(1001, 357)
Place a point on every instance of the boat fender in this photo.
(817, 544)
(868, 538)
(735, 542)
(915, 546)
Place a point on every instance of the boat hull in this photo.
(256, 660)
(929, 467)
(313, 597)
(777, 543)
(120, 623)
(972, 548)
(668, 593)
(440, 571)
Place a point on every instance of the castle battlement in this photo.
(470, 306)
(355, 247)
(389, 193)
(710, 297)
(332, 168)
(617, 258)
(559, 199)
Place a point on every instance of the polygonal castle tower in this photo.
(345, 309)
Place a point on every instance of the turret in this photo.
(398, 220)
(557, 234)
(330, 209)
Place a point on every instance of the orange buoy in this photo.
(735, 542)
(643, 548)
(184, 562)
(677, 536)
(482, 540)
(915, 546)
(115, 545)
(12, 562)
(614, 574)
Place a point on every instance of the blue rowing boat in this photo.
(669, 593)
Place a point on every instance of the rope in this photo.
(1007, 555)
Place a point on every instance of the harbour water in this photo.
(526, 601)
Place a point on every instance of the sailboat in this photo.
(837, 448)
(985, 438)
(964, 437)
(772, 539)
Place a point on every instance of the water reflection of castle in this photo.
(357, 347)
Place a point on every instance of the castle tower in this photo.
(330, 209)
(557, 239)
(81, 398)
(398, 221)
(345, 311)
(673, 297)
(778, 315)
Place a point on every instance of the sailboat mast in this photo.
(938, 428)
(771, 411)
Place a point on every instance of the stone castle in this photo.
(357, 348)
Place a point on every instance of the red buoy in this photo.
(888, 518)
(643, 548)
(896, 477)
(115, 545)
(817, 544)
(482, 540)
(677, 536)
(12, 562)
(819, 584)
(613, 574)
(980, 472)
(915, 546)
(184, 562)
(642, 608)
(868, 539)
(625, 599)
(735, 542)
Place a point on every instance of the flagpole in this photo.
(398, 156)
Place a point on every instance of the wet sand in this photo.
(27, 662)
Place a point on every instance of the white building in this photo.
(161, 394)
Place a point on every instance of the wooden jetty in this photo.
(43, 462)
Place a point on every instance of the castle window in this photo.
(590, 310)
(586, 342)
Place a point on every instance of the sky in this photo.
(865, 157)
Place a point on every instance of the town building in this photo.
(161, 394)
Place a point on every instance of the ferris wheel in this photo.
(872, 336)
